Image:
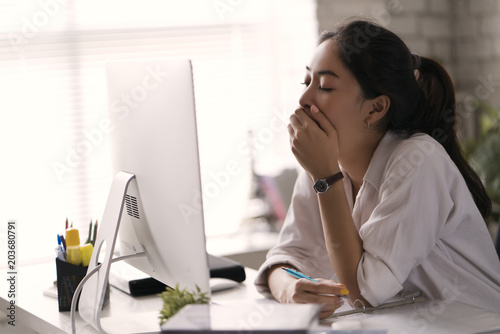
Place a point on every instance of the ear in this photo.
(377, 109)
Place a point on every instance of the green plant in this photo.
(484, 152)
(175, 299)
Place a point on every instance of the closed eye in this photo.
(305, 83)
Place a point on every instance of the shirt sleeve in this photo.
(301, 241)
(414, 203)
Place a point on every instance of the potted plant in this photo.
(175, 299)
(484, 154)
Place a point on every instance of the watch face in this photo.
(321, 186)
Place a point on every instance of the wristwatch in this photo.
(322, 185)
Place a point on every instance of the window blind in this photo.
(55, 148)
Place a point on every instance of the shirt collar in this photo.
(380, 157)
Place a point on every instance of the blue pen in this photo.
(61, 255)
(63, 243)
(298, 274)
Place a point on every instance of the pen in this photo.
(89, 238)
(92, 241)
(59, 250)
(297, 274)
(63, 242)
(344, 292)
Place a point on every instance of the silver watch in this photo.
(322, 185)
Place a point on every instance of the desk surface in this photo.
(140, 314)
(432, 316)
(123, 314)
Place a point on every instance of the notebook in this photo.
(402, 299)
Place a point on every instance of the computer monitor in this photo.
(155, 203)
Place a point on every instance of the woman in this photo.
(386, 202)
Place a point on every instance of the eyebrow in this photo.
(323, 72)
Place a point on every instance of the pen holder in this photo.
(68, 278)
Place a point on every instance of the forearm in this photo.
(342, 239)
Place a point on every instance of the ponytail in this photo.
(421, 91)
(439, 93)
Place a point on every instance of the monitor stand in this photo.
(93, 286)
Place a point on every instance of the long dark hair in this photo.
(421, 91)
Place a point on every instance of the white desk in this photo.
(135, 314)
(425, 317)
(140, 314)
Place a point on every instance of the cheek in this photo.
(340, 115)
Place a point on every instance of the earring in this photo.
(368, 125)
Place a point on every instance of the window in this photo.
(248, 58)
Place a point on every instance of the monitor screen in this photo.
(154, 140)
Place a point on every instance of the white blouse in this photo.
(420, 227)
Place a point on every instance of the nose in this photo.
(306, 99)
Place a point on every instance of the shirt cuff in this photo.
(261, 283)
(376, 281)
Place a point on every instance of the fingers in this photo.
(314, 149)
(322, 121)
(324, 292)
(328, 310)
(330, 303)
(323, 286)
(299, 120)
(303, 119)
(297, 123)
(311, 298)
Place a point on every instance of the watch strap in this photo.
(322, 185)
(334, 178)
